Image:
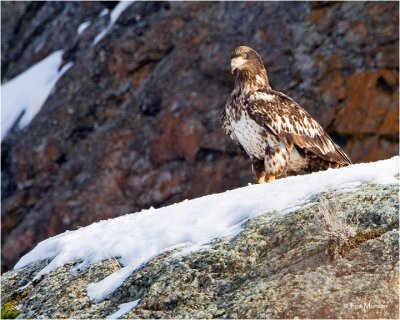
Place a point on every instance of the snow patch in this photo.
(115, 13)
(123, 308)
(83, 26)
(27, 92)
(104, 12)
(192, 225)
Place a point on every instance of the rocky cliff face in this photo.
(335, 258)
(134, 122)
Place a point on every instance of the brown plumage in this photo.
(279, 136)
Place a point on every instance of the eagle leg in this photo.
(277, 161)
(271, 178)
(258, 169)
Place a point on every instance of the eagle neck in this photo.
(248, 80)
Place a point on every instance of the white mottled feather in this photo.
(258, 95)
(249, 135)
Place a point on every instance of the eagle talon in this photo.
(261, 179)
(271, 179)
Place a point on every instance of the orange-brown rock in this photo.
(372, 104)
(179, 137)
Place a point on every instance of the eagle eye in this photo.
(244, 55)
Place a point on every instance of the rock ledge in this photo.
(335, 258)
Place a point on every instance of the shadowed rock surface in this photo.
(134, 123)
(280, 266)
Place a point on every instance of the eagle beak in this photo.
(232, 67)
(236, 63)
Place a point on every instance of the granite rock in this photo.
(279, 266)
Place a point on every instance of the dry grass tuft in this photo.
(333, 224)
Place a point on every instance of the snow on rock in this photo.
(83, 26)
(192, 225)
(103, 12)
(123, 308)
(28, 91)
(115, 13)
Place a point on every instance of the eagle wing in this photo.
(290, 122)
(226, 125)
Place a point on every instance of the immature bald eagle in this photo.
(279, 136)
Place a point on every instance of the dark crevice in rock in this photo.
(315, 5)
(359, 239)
(80, 133)
(109, 4)
(7, 185)
(29, 14)
(382, 84)
(151, 105)
(36, 31)
(391, 138)
(61, 159)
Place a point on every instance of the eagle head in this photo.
(245, 58)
